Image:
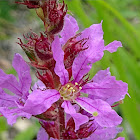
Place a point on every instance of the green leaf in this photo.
(28, 134)
(3, 124)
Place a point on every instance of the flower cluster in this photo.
(67, 103)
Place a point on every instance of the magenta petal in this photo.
(106, 117)
(58, 55)
(87, 106)
(68, 107)
(9, 82)
(94, 33)
(104, 134)
(39, 85)
(113, 46)
(100, 75)
(79, 119)
(39, 101)
(106, 87)
(70, 28)
(13, 114)
(42, 134)
(83, 62)
(23, 71)
(7, 100)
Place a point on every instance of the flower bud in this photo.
(52, 14)
(38, 50)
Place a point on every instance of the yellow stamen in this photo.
(64, 88)
(71, 87)
(69, 90)
(80, 87)
(68, 86)
(76, 83)
(95, 114)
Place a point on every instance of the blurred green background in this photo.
(121, 21)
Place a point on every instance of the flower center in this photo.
(70, 91)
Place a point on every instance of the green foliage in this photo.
(5, 9)
(4, 125)
(6, 18)
(118, 24)
(28, 134)
(11, 71)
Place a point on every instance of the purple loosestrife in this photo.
(70, 91)
(66, 102)
(9, 103)
(103, 89)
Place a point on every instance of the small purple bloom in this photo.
(71, 91)
(9, 104)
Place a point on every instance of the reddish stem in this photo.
(115, 105)
(120, 102)
(61, 120)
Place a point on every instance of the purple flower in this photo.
(71, 90)
(19, 90)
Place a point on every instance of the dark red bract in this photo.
(54, 14)
(31, 4)
(38, 50)
(71, 49)
(47, 79)
(83, 132)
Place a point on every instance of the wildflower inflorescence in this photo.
(67, 103)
